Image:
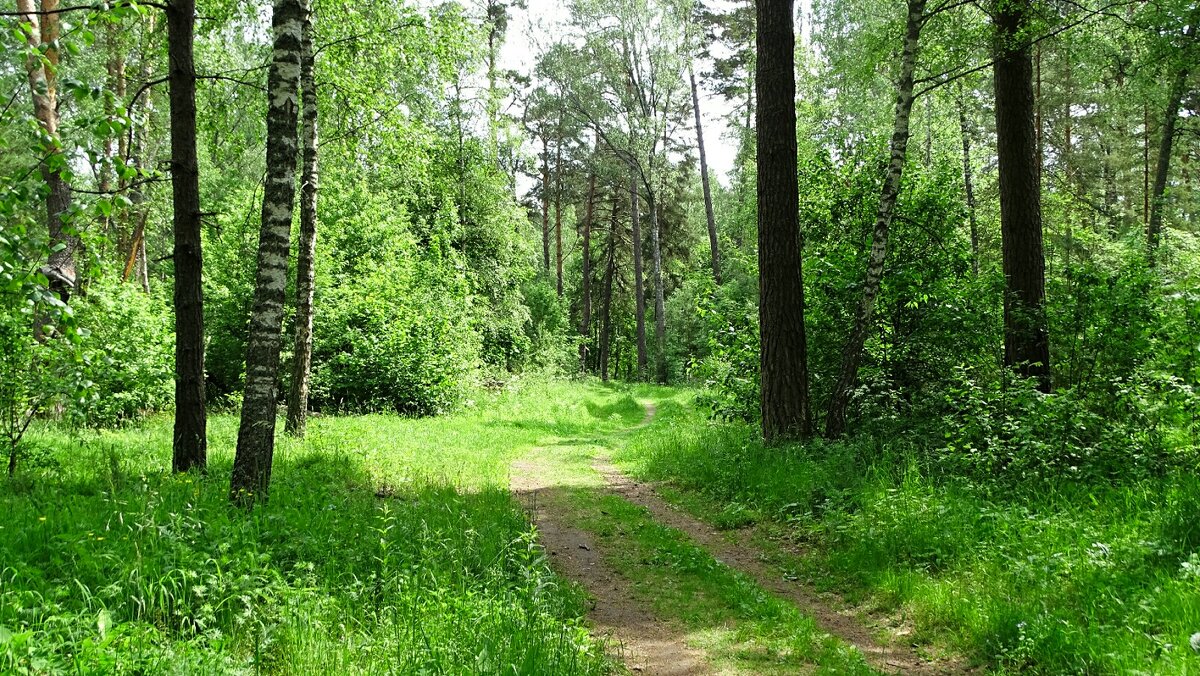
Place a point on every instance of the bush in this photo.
(128, 354)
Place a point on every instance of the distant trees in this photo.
(784, 366)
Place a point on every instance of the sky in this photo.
(528, 31)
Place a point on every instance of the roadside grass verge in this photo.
(389, 545)
(1061, 578)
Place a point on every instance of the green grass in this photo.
(108, 563)
(740, 627)
(1068, 578)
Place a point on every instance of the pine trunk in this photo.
(191, 446)
(545, 205)
(1026, 336)
(784, 367)
(585, 321)
(297, 418)
(638, 284)
(609, 273)
(256, 435)
(660, 315)
(835, 422)
(558, 189)
(714, 251)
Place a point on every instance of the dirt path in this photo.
(649, 646)
(645, 645)
(739, 553)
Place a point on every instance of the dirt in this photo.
(644, 644)
(650, 646)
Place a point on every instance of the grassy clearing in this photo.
(1066, 578)
(108, 563)
(741, 628)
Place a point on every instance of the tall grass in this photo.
(388, 546)
(1070, 577)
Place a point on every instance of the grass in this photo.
(109, 563)
(740, 627)
(1070, 578)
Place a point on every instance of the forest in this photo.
(600, 337)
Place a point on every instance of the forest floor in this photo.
(671, 594)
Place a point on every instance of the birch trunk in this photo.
(835, 421)
(1162, 167)
(297, 418)
(251, 478)
(969, 185)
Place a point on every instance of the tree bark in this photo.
(1162, 167)
(969, 185)
(609, 272)
(835, 421)
(44, 25)
(558, 189)
(714, 251)
(297, 418)
(251, 478)
(1026, 335)
(585, 320)
(545, 205)
(784, 366)
(660, 315)
(190, 447)
(638, 284)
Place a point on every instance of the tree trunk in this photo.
(190, 448)
(714, 251)
(585, 320)
(1026, 336)
(558, 189)
(784, 365)
(638, 284)
(297, 418)
(256, 435)
(609, 272)
(660, 316)
(545, 205)
(43, 85)
(1163, 165)
(835, 422)
(969, 185)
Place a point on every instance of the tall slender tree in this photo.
(585, 314)
(710, 218)
(835, 421)
(784, 363)
(638, 283)
(1026, 334)
(191, 445)
(307, 246)
(251, 478)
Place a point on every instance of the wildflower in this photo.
(1195, 641)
